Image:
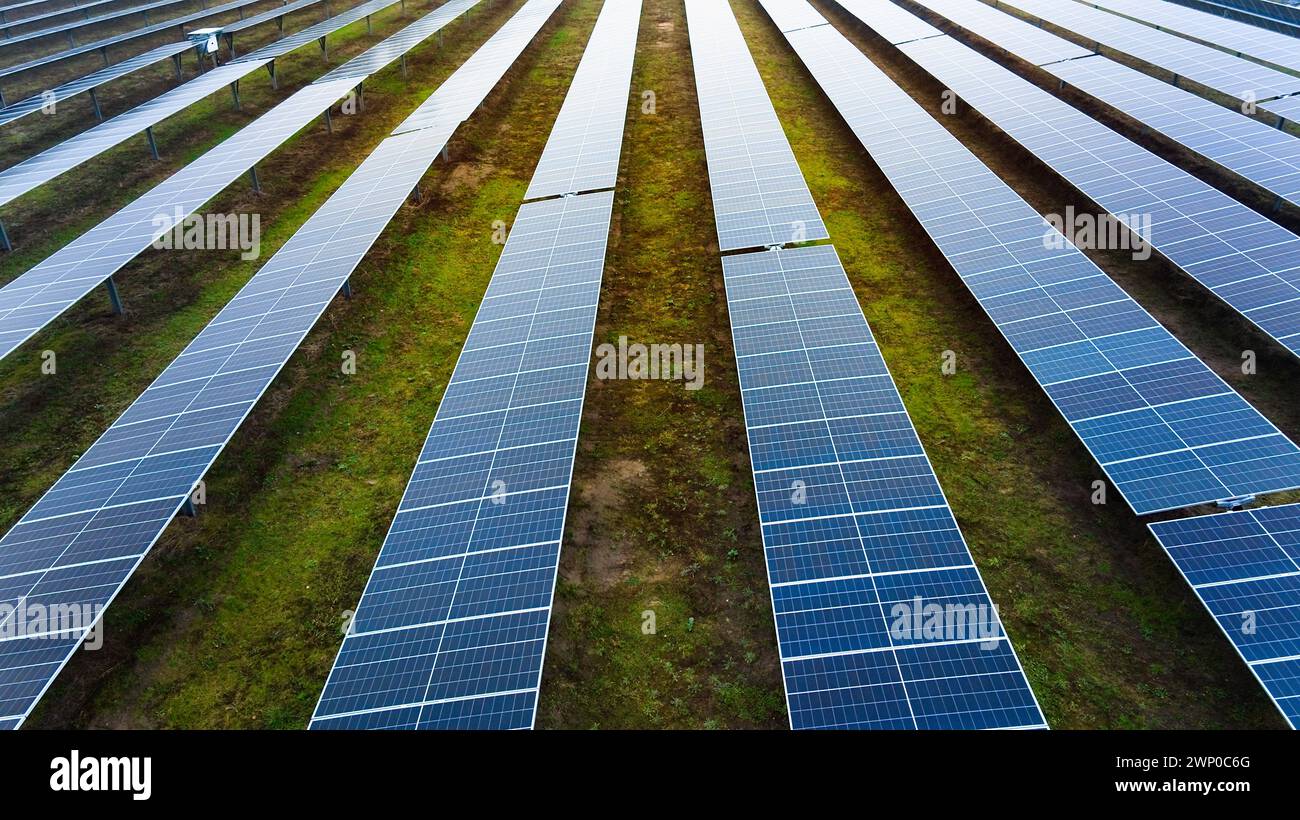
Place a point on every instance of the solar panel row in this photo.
(10, 22)
(1245, 568)
(856, 530)
(101, 45)
(90, 81)
(1249, 262)
(451, 629)
(1225, 73)
(1168, 432)
(1263, 155)
(1244, 40)
(34, 298)
(74, 25)
(759, 194)
(78, 545)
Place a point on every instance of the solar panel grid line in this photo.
(1271, 48)
(1286, 109)
(1251, 263)
(1167, 431)
(75, 25)
(124, 490)
(33, 299)
(792, 579)
(1244, 566)
(70, 522)
(760, 197)
(1245, 146)
(91, 81)
(101, 45)
(895, 28)
(822, 414)
(1023, 39)
(488, 497)
(1232, 76)
(583, 149)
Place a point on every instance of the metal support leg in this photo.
(234, 92)
(347, 288)
(361, 97)
(72, 43)
(257, 183)
(176, 61)
(188, 509)
(94, 101)
(103, 53)
(113, 298)
(324, 50)
(279, 21)
(369, 29)
(275, 81)
(153, 146)
(329, 121)
(403, 66)
(417, 194)
(230, 44)
(4, 238)
(3, 104)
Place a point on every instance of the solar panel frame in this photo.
(760, 197)
(1241, 39)
(822, 412)
(490, 488)
(96, 524)
(1134, 394)
(76, 25)
(1249, 262)
(1244, 566)
(1011, 33)
(1285, 108)
(1237, 78)
(583, 149)
(30, 301)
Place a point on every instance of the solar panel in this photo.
(36, 297)
(1249, 262)
(1244, 40)
(451, 629)
(856, 530)
(1265, 156)
(466, 91)
(74, 25)
(1166, 430)
(582, 151)
(273, 14)
(794, 16)
(891, 22)
(7, 24)
(116, 39)
(1233, 76)
(1245, 568)
(81, 541)
(1021, 38)
(1287, 108)
(69, 89)
(759, 194)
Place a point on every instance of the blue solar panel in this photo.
(759, 194)
(1256, 151)
(1286, 108)
(1244, 40)
(1223, 72)
(451, 629)
(1167, 431)
(1249, 262)
(1245, 568)
(30, 173)
(856, 530)
(35, 298)
(82, 540)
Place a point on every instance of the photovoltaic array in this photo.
(33, 299)
(760, 198)
(1248, 261)
(1245, 568)
(1212, 68)
(451, 629)
(1168, 432)
(1242, 39)
(1258, 152)
(24, 176)
(854, 523)
(82, 540)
